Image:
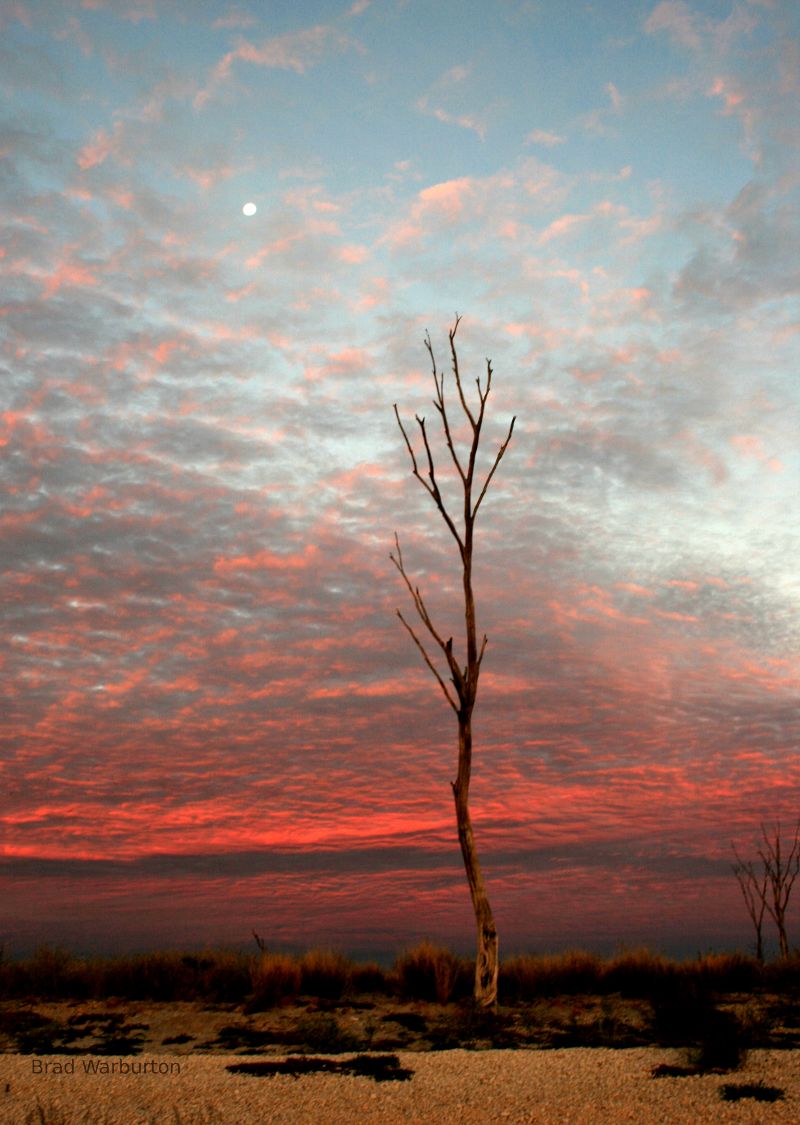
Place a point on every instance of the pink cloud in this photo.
(269, 560)
(353, 255)
(240, 294)
(344, 362)
(541, 137)
(101, 147)
(634, 588)
(447, 197)
(206, 178)
(678, 20)
(750, 445)
(68, 272)
(124, 199)
(702, 454)
(463, 120)
(562, 226)
(295, 51)
(445, 200)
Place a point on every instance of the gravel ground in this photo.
(558, 1087)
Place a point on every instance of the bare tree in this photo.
(781, 870)
(754, 892)
(770, 891)
(464, 680)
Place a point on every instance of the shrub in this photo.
(727, 972)
(325, 974)
(529, 976)
(227, 979)
(369, 978)
(783, 975)
(686, 1017)
(637, 972)
(52, 973)
(429, 972)
(162, 977)
(275, 977)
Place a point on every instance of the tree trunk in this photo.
(486, 954)
(464, 679)
(783, 941)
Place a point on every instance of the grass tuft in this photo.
(429, 972)
(275, 978)
(325, 974)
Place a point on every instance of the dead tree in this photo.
(464, 678)
(754, 892)
(781, 870)
(770, 890)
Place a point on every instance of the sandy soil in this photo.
(570, 1086)
(126, 1063)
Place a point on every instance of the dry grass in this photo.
(430, 972)
(427, 972)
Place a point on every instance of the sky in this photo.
(212, 719)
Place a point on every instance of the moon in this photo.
(249, 209)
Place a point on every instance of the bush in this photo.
(727, 972)
(227, 979)
(369, 979)
(783, 975)
(429, 972)
(712, 1038)
(637, 972)
(275, 977)
(529, 976)
(325, 974)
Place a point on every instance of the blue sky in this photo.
(209, 705)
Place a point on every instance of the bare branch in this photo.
(431, 488)
(421, 608)
(409, 446)
(439, 403)
(497, 460)
(429, 662)
(431, 470)
(780, 872)
(457, 373)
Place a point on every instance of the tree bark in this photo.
(487, 945)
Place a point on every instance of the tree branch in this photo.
(497, 460)
(454, 360)
(429, 662)
(438, 402)
(432, 489)
(419, 604)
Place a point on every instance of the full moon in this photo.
(249, 209)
